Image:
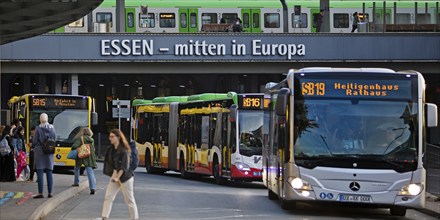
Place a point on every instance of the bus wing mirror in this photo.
(431, 113)
(282, 101)
(233, 112)
(94, 118)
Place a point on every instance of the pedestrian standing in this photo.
(20, 149)
(116, 165)
(355, 21)
(43, 162)
(31, 156)
(84, 136)
(317, 20)
(7, 173)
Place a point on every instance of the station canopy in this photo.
(20, 19)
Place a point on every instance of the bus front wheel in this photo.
(271, 195)
(81, 170)
(398, 211)
(287, 205)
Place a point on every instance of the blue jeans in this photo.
(90, 175)
(40, 173)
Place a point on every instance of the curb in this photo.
(56, 200)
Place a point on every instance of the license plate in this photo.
(59, 163)
(355, 198)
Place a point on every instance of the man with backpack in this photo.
(134, 156)
(44, 160)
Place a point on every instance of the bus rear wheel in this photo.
(183, 172)
(398, 211)
(148, 162)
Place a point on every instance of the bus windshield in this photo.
(372, 133)
(66, 122)
(251, 132)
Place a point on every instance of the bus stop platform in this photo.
(16, 200)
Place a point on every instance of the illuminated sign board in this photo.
(356, 88)
(58, 102)
(251, 101)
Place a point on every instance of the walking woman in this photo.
(84, 136)
(43, 162)
(116, 165)
(20, 151)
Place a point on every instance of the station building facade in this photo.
(128, 66)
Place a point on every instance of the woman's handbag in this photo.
(73, 154)
(83, 150)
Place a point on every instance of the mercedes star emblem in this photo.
(354, 186)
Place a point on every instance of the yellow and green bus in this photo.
(67, 113)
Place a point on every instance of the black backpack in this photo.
(49, 143)
(134, 162)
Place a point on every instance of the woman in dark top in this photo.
(7, 161)
(116, 165)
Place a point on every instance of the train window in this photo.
(130, 20)
(364, 17)
(423, 18)
(104, 17)
(378, 18)
(209, 18)
(229, 17)
(299, 21)
(256, 20)
(77, 24)
(245, 20)
(167, 20)
(146, 20)
(183, 20)
(193, 20)
(403, 18)
(271, 20)
(341, 20)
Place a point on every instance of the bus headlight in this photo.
(242, 166)
(299, 184)
(411, 190)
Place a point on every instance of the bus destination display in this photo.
(58, 102)
(351, 88)
(251, 101)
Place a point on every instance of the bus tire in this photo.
(287, 205)
(271, 195)
(398, 211)
(183, 172)
(148, 166)
(81, 170)
(217, 177)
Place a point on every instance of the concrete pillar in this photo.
(41, 84)
(325, 4)
(90, 25)
(57, 83)
(73, 84)
(27, 84)
(120, 15)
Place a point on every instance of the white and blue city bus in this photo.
(348, 136)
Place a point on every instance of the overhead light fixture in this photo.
(153, 86)
(101, 85)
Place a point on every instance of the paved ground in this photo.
(17, 203)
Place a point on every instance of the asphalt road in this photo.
(170, 197)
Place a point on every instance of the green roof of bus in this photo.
(209, 96)
(137, 102)
(170, 99)
(262, 3)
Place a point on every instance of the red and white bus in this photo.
(208, 134)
